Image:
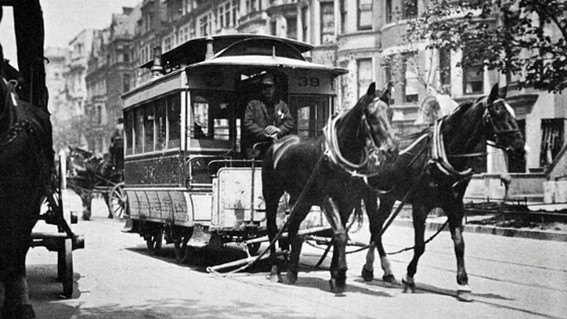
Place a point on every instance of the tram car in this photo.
(186, 171)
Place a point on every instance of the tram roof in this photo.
(265, 61)
(194, 50)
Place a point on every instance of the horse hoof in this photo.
(367, 275)
(292, 276)
(409, 287)
(390, 280)
(336, 288)
(464, 293)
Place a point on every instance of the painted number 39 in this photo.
(304, 81)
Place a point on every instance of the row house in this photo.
(62, 115)
(79, 50)
(364, 37)
(110, 73)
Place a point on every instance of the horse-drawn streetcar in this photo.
(187, 171)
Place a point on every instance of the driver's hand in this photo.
(271, 130)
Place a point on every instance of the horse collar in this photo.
(439, 156)
(333, 152)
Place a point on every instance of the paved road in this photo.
(116, 277)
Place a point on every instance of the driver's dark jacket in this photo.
(257, 118)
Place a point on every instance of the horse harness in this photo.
(332, 153)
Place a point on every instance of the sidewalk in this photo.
(435, 223)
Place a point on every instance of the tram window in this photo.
(210, 115)
(174, 121)
(311, 113)
(200, 125)
(139, 130)
(149, 128)
(129, 132)
(160, 125)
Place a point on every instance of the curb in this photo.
(493, 230)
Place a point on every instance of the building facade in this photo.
(364, 37)
(110, 73)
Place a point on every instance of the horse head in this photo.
(377, 120)
(502, 127)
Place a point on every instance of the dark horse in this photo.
(26, 163)
(324, 170)
(87, 171)
(434, 172)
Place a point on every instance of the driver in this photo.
(268, 118)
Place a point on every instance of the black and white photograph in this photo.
(283, 159)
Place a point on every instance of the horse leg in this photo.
(338, 262)
(456, 227)
(377, 217)
(271, 224)
(419, 216)
(295, 241)
(17, 303)
(106, 197)
(86, 198)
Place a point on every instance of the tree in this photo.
(528, 38)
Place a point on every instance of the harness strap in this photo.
(333, 152)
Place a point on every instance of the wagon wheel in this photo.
(154, 241)
(65, 266)
(118, 201)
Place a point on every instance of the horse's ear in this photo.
(371, 89)
(386, 93)
(494, 94)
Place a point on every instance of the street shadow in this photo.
(45, 292)
(190, 308)
(323, 284)
(200, 258)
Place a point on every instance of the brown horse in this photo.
(26, 163)
(324, 170)
(434, 172)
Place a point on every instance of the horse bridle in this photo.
(497, 133)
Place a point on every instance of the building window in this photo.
(327, 23)
(445, 69)
(553, 131)
(204, 26)
(292, 28)
(364, 75)
(388, 79)
(473, 79)
(343, 11)
(364, 16)
(273, 27)
(235, 12)
(252, 6)
(411, 79)
(304, 23)
(388, 11)
(125, 82)
(99, 115)
(409, 9)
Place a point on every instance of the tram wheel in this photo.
(65, 266)
(118, 201)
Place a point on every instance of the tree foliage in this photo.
(526, 38)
